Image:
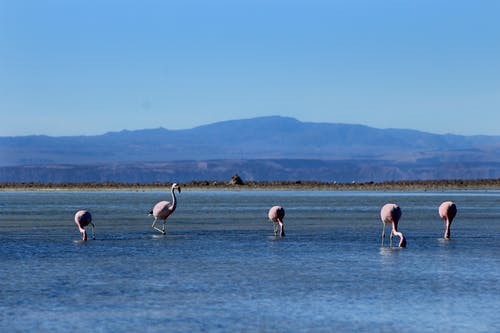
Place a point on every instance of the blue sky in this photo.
(71, 67)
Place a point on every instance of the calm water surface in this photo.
(220, 268)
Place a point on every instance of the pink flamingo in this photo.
(276, 215)
(391, 213)
(163, 209)
(447, 211)
(83, 219)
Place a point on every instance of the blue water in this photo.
(220, 267)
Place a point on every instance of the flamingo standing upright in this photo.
(447, 211)
(163, 209)
(391, 213)
(276, 215)
(82, 219)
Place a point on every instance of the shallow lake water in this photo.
(220, 267)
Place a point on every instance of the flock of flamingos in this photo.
(390, 213)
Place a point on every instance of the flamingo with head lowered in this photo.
(391, 213)
(276, 215)
(164, 209)
(447, 211)
(82, 219)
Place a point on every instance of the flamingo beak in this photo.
(179, 189)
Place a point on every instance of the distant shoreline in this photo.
(423, 185)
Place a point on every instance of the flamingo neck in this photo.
(447, 230)
(174, 201)
(282, 232)
(402, 239)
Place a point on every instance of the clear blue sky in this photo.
(70, 67)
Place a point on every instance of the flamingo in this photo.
(447, 211)
(391, 213)
(163, 209)
(82, 219)
(276, 215)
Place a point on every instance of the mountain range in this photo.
(265, 148)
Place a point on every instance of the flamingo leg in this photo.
(390, 238)
(93, 234)
(383, 234)
(275, 227)
(156, 228)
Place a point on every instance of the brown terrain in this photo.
(237, 184)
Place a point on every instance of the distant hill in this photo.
(265, 148)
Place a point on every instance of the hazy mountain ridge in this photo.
(319, 150)
(260, 170)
